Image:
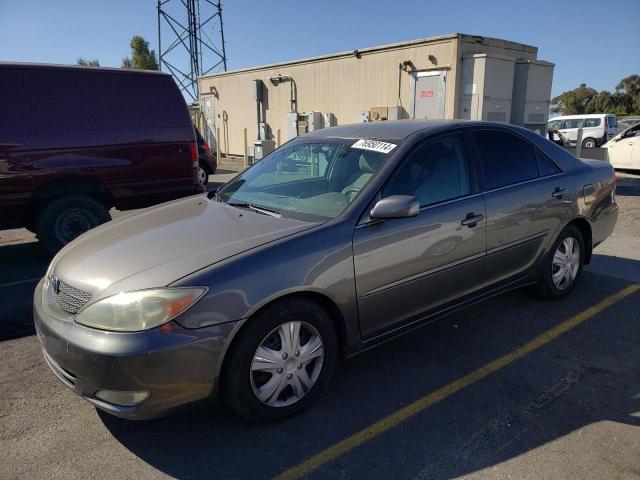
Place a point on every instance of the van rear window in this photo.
(592, 122)
(68, 100)
(573, 123)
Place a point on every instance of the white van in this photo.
(597, 129)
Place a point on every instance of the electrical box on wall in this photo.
(330, 120)
(397, 113)
(315, 121)
(379, 113)
(487, 88)
(531, 94)
(363, 117)
(262, 148)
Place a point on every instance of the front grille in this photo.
(69, 298)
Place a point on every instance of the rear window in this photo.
(63, 100)
(592, 122)
(612, 121)
(506, 158)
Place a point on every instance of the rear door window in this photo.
(592, 122)
(506, 158)
(612, 121)
(573, 123)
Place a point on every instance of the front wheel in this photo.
(563, 266)
(280, 362)
(65, 218)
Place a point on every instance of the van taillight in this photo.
(194, 154)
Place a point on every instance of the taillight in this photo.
(194, 154)
(206, 147)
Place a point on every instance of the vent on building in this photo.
(536, 117)
(497, 116)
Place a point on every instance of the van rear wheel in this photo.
(589, 143)
(65, 218)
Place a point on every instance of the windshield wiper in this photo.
(255, 208)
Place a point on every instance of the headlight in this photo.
(139, 310)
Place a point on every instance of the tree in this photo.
(88, 63)
(141, 57)
(625, 100)
(573, 102)
(631, 86)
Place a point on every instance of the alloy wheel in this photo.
(203, 177)
(286, 364)
(566, 263)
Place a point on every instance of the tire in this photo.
(550, 288)
(242, 381)
(203, 176)
(65, 218)
(589, 143)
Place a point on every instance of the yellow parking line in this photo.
(403, 414)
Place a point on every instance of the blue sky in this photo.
(589, 41)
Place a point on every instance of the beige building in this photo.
(449, 76)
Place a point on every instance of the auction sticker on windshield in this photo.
(374, 146)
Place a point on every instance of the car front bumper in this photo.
(177, 366)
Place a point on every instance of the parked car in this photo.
(626, 122)
(597, 129)
(623, 150)
(76, 141)
(207, 160)
(380, 228)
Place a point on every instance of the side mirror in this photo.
(396, 206)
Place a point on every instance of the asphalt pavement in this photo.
(514, 387)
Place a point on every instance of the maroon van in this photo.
(76, 141)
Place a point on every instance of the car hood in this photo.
(159, 245)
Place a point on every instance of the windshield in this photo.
(309, 179)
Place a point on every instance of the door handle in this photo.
(559, 192)
(471, 220)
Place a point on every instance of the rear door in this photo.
(527, 199)
(405, 267)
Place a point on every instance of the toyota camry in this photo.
(335, 242)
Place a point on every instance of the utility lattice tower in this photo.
(191, 41)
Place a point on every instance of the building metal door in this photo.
(427, 94)
(208, 111)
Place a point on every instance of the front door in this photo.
(406, 267)
(427, 95)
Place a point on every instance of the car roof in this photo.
(586, 115)
(79, 68)
(391, 129)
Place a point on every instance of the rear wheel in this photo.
(281, 361)
(203, 176)
(589, 143)
(563, 266)
(65, 218)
